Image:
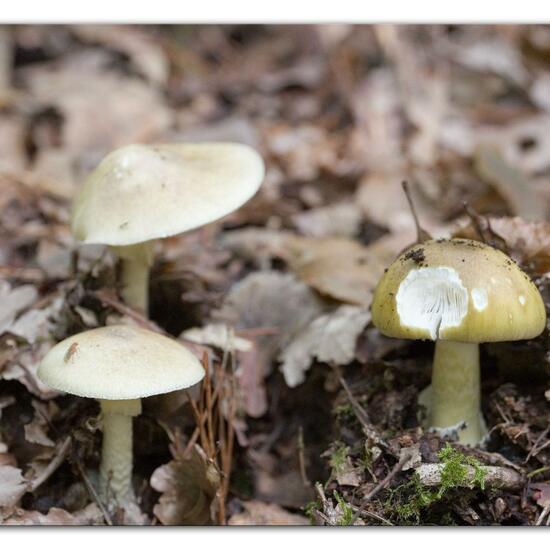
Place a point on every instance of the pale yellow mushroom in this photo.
(458, 293)
(140, 193)
(119, 365)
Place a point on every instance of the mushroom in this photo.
(140, 193)
(119, 365)
(458, 293)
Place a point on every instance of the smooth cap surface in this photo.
(459, 290)
(144, 192)
(119, 362)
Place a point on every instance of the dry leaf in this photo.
(12, 485)
(336, 220)
(249, 375)
(527, 242)
(494, 55)
(134, 113)
(25, 369)
(274, 302)
(509, 182)
(286, 488)
(339, 268)
(331, 338)
(543, 498)
(35, 431)
(263, 513)
(188, 487)
(525, 143)
(13, 301)
(383, 202)
(12, 139)
(217, 335)
(145, 53)
(91, 515)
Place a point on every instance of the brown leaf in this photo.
(73, 86)
(543, 497)
(91, 515)
(527, 242)
(25, 368)
(12, 140)
(14, 300)
(493, 55)
(12, 485)
(339, 268)
(336, 220)
(331, 338)
(249, 373)
(263, 513)
(35, 431)
(144, 52)
(188, 487)
(286, 488)
(277, 303)
(219, 336)
(509, 182)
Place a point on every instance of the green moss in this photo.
(455, 469)
(344, 413)
(413, 502)
(338, 458)
(347, 511)
(309, 510)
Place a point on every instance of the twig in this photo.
(543, 514)
(301, 460)
(494, 476)
(92, 492)
(52, 466)
(406, 456)
(109, 299)
(372, 515)
(215, 430)
(534, 450)
(421, 234)
(362, 416)
(538, 471)
(483, 228)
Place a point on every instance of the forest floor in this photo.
(310, 414)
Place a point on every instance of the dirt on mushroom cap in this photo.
(510, 308)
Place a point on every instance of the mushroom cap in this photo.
(119, 362)
(144, 192)
(459, 290)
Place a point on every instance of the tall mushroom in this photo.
(140, 193)
(119, 365)
(458, 293)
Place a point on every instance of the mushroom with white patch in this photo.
(140, 193)
(458, 293)
(119, 365)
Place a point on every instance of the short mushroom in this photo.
(140, 193)
(458, 293)
(119, 365)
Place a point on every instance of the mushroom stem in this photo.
(456, 392)
(116, 455)
(136, 260)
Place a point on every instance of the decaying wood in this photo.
(495, 477)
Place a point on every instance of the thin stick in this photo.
(301, 459)
(52, 466)
(543, 514)
(534, 450)
(373, 515)
(384, 483)
(362, 415)
(421, 234)
(93, 493)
